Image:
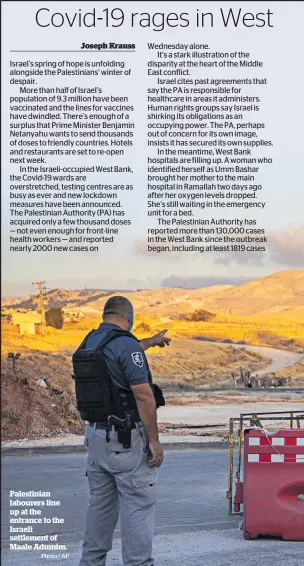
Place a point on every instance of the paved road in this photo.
(201, 414)
(183, 474)
(281, 359)
(192, 524)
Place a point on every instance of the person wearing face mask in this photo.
(118, 400)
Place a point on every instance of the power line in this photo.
(41, 289)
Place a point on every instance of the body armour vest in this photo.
(97, 396)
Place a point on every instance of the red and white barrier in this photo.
(273, 494)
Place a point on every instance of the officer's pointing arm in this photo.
(157, 340)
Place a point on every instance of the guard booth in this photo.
(268, 492)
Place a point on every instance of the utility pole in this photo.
(41, 309)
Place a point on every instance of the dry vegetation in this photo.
(184, 360)
(199, 363)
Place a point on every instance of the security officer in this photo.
(123, 479)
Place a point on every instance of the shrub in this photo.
(143, 327)
(12, 416)
(199, 315)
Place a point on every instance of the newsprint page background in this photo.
(154, 150)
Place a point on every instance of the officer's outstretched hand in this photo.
(157, 454)
(160, 339)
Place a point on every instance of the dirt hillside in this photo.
(278, 292)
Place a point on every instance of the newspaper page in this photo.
(152, 156)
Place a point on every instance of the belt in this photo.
(104, 425)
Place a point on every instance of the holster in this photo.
(124, 437)
(123, 427)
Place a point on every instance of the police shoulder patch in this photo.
(138, 359)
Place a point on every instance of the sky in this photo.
(126, 264)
